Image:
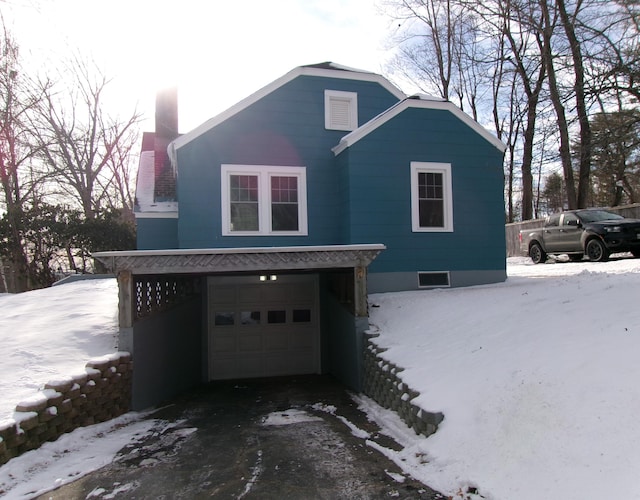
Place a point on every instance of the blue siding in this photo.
(167, 350)
(153, 234)
(363, 195)
(341, 186)
(342, 356)
(380, 195)
(284, 128)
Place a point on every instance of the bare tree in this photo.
(19, 180)
(434, 43)
(539, 65)
(81, 144)
(584, 165)
(549, 17)
(525, 47)
(118, 183)
(57, 149)
(473, 49)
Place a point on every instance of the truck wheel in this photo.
(537, 254)
(596, 251)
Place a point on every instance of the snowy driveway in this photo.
(298, 437)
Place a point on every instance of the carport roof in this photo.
(225, 260)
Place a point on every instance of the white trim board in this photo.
(416, 102)
(156, 215)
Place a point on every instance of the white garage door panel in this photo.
(250, 343)
(301, 340)
(224, 343)
(276, 341)
(263, 329)
(277, 294)
(226, 295)
(249, 366)
(252, 293)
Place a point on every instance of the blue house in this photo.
(261, 232)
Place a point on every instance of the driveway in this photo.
(255, 439)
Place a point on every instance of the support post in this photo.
(125, 311)
(360, 291)
(125, 301)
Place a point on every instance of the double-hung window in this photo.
(263, 200)
(431, 197)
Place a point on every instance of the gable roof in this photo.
(416, 101)
(325, 69)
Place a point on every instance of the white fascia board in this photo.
(276, 84)
(156, 215)
(350, 139)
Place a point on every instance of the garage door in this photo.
(263, 326)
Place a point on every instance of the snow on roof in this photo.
(325, 69)
(145, 183)
(427, 97)
(415, 101)
(145, 189)
(335, 66)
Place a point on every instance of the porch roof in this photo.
(225, 260)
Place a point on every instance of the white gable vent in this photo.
(340, 110)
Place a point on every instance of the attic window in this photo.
(340, 110)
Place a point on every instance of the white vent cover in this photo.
(341, 110)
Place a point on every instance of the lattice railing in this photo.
(154, 294)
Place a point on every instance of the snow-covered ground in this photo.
(53, 332)
(538, 378)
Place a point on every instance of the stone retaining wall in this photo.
(383, 385)
(101, 393)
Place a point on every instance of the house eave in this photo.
(430, 103)
(229, 260)
(344, 74)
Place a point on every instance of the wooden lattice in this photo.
(154, 294)
(240, 261)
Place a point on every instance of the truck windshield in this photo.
(597, 215)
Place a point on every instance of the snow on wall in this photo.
(385, 387)
(99, 394)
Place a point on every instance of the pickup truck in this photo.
(592, 232)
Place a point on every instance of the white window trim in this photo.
(418, 167)
(352, 97)
(264, 174)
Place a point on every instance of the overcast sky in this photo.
(217, 52)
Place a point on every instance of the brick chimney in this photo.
(166, 131)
